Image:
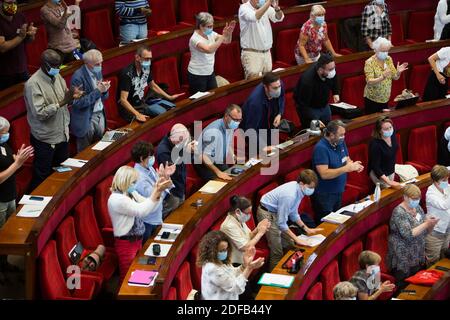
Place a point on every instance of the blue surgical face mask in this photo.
(388, 134)
(243, 217)
(382, 55)
(233, 124)
(380, 2)
(131, 188)
(320, 20)
(4, 137)
(151, 162)
(308, 191)
(56, 1)
(341, 140)
(208, 31)
(261, 3)
(146, 64)
(443, 184)
(222, 255)
(53, 72)
(413, 203)
(97, 69)
(275, 93)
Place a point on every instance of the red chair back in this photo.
(35, 48)
(420, 27)
(229, 55)
(163, 15)
(183, 282)
(353, 90)
(113, 118)
(166, 71)
(290, 112)
(102, 193)
(97, 27)
(422, 145)
(315, 293)
(349, 260)
(286, 42)
(66, 239)
(224, 9)
(329, 278)
(189, 8)
(377, 241)
(86, 225)
(418, 78)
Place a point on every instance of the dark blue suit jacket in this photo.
(82, 109)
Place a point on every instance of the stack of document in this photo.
(276, 280)
(355, 207)
(413, 180)
(212, 187)
(344, 105)
(101, 145)
(335, 218)
(142, 278)
(32, 206)
(173, 229)
(199, 95)
(312, 241)
(71, 162)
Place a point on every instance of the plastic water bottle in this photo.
(377, 194)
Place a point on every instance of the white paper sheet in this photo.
(313, 240)
(278, 280)
(252, 162)
(26, 200)
(212, 187)
(77, 163)
(174, 229)
(335, 218)
(30, 211)
(344, 105)
(284, 145)
(164, 250)
(102, 145)
(199, 95)
(355, 207)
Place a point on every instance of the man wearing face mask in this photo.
(332, 163)
(14, 33)
(281, 204)
(132, 85)
(47, 99)
(264, 107)
(313, 89)
(216, 143)
(55, 14)
(171, 150)
(87, 116)
(256, 35)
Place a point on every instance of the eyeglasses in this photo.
(237, 120)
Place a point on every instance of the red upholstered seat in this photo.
(360, 181)
(418, 78)
(163, 17)
(196, 271)
(397, 88)
(329, 277)
(113, 118)
(377, 241)
(189, 8)
(97, 27)
(183, 282)
(351, 194)
(89, 235)
(349, 260)
(315, 293)
(166, 71)
(422, 148)
(334, 38)
(399, 158)
(218, 223)
(398, 36)
(228, 62)
(420, 27)
(290, 111)
(353, 90)
(193, 181)
(52, 282)
(35, 48)
(102, 192)
(172, 294)
(185, 58)
(284, 52)
(224, 9)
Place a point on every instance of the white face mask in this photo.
(331, 74)
(374, 279)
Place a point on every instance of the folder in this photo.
(276, 280)
(142, 278)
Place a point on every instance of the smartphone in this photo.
(142, 260)
(62, 169)
(442, 268)
(36, 198)
(151, 260)
(156, 249)
(165, 235)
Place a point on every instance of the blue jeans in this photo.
(149, 230)
(324, 203)
(129, 32)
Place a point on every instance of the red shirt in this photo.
(13, 61)
(316, 38)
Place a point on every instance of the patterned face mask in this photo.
(9, 9)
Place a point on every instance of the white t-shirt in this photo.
(201, 64)
(239, 235)
(444, 58)
(222, 282)
(256, 34)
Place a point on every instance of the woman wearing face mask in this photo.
(438, 206)
(367, 279)
(380, 71)
(203, 45)
(383, 154)
(9, 164)
(220, 280)
(235, 227)
(126, 209)
(313, 36)
(375, 22)
(408, 229)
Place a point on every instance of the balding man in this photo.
(171, 151)
(87, 116)
(46, 99)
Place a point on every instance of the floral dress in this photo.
(381, 91)
(316, 39)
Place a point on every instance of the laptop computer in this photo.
(407, 102)
(113, 135)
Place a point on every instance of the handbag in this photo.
(406, 172)
(425, 277)
(294, 262)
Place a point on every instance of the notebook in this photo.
(336, 218)
(142, 278)
(276, 280)
(212, 187)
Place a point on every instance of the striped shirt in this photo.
(130, 12)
